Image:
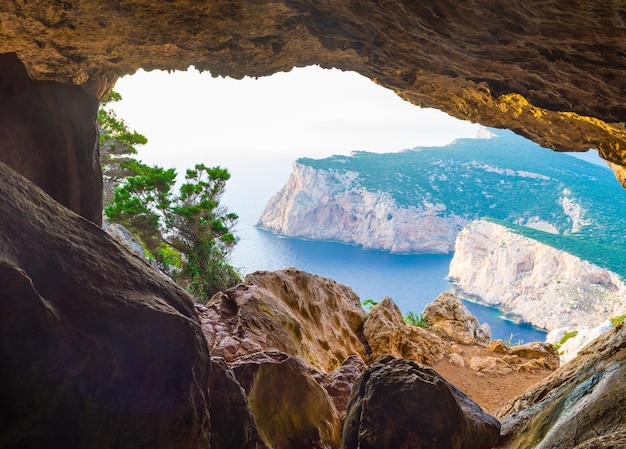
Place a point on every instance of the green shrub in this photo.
(564, 338)
(415, 319)
(617, 320)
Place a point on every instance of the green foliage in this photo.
(368, 304)
(188, 232)
(117, 144)
(415, 319)
(617, 320)
(565, 337)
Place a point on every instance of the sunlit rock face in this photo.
(551, 72)
(540, 284)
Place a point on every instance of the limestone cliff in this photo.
(533, 281)
(418, 200)
(327, 205)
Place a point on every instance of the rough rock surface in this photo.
(387, 333)
(447, 316)
(552, 73)
(232, 423)
(338, 383)
(327, 205)
(542, 285)
(304, 315)
(48, 135)
(290, 408)
(98, 350)
(397, 403)
(581, 405)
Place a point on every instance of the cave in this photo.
(551, 72)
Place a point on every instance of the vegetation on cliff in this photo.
(188, 232)
(506, 177)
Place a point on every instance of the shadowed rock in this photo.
(232, 423)
(397, 403)
(290, 408)
(98, 350)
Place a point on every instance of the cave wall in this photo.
(48, 135)
(554, 72)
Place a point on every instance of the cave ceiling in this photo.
(550, 70)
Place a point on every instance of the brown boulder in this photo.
(397, 403)
(527, 357)
(98, 349)
(232, 423)
(308, 316)
(387, 333)
(448, 317)
(581, 405)
(290, 408)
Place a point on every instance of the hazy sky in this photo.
(190, 117)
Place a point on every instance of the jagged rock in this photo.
(98, 350)
(544, 286)
(338, 383)
(290, 408)
(581, 405)
(448, 317)
(232, 423)
(48, 135)
(397, 403)
(505, 66)
(308, 316)
(387, 333)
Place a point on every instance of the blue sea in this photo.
(412, 281)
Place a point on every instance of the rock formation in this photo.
(48, 134)
(533, 281)
(290, 408)
(326, 205)
(414, 202)
(287, 310)
(551, 73)
(397, 403)
(448, 316)
(232, 422)
(98, 350)
(581, 405)
(387, 333)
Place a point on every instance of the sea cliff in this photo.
(331, 205)
(539, 284)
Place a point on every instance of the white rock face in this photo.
(585, 335)
(326, 205)
(544, 286)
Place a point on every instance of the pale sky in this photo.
(191, 117)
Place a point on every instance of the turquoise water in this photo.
(412, 281)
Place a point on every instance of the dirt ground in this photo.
(490, 391)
